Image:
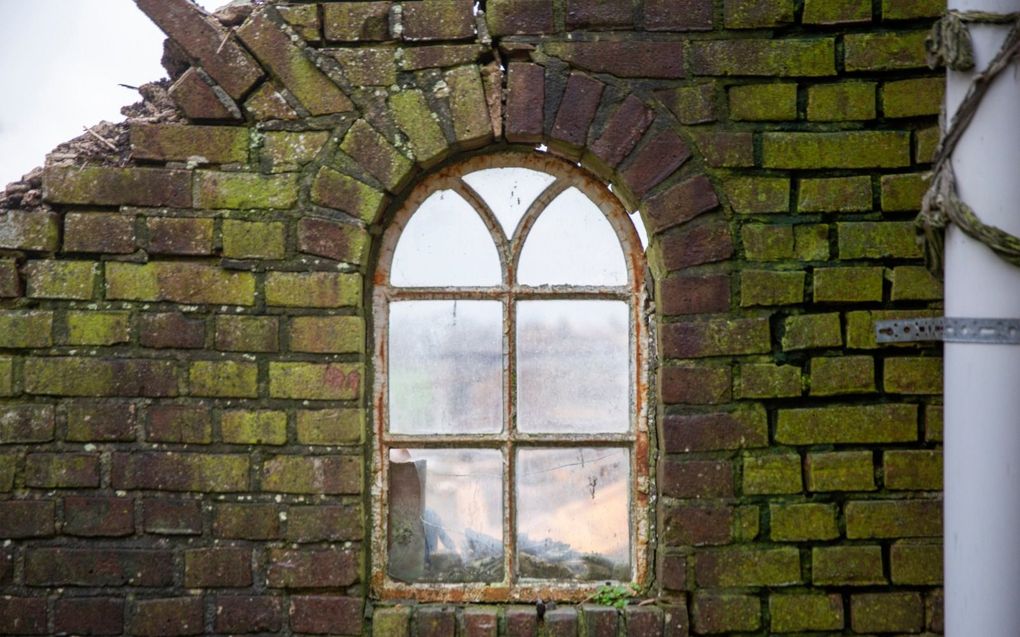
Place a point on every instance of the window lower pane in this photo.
(446, 367)
(573, 513)
(445, 515)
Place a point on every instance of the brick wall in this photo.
(183, 340)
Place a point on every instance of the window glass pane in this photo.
(446, 515)
(573, 513)
(445, 243)
(573, 371)
(446, 367)
(572, 243)
(508, 192)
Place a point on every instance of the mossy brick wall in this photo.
(184, 421)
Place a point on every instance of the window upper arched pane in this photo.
(572, 243)
(509, 192)
(445, 243)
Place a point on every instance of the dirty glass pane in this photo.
(572, 243)
(446, 367)
(445, 515)
(508, 192)
(445, 243)
(573, 513)
(573, 367)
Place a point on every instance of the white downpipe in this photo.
(982, 382)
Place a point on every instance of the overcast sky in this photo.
(60, 65)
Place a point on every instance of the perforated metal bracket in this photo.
(950, 330)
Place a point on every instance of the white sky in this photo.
(60, 65)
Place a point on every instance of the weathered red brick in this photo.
(6, 565)
(673, 572)
(248, 614)
(98, 567)
(217, 567)
(10, 280)
(356, 21)
(109, 186)
(172, 517)
(678, 15)
(23, 616)
(168, 617)
(438, 20)
(480, 622)
(695, 294)
(518, 17)
(698, 525)
(662, 153)
(99, 517)
(312, 568)
(559, 622)
(321, 523)
(246, 521)
(180, 235)
(68, 376)
(695, 384)
(643, 621)
(680, 203)
(338, 241)
(112, 233)
(707, 241)
(524, 103)
(322, 614)
(89, 616)
(696, 478)
(595, 13)
(577, 109)
(623, 131)
(26, 518)
(62, 470)
(716, 337)
(179, 142)
(204, 39)
(200, 101)
(715, 431)
(179, 423)
(623, 58)
(171, 330)
(180, 471)
(37, 230)
(26, 423)
(100, 422)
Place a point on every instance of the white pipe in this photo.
(982, 396)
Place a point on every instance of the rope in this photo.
(949, 43)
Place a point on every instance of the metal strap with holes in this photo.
(950, 330)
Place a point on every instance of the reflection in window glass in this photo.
(446, 515)
(572, 243)
(573, 367)
(508, 192)
(445, 243)
(573, 513)
(446, 367)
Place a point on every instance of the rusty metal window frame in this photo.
(635, 293)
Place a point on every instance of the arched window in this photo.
(511, 446)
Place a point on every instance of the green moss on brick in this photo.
(6, 376)
(421, 125)
(836, 11)
(98, 328)
(845, 101)
(21, 329)
(884, 51)
(315, 381)
(247, 333)
(808, 331)
(287, 152)
(765, 380)
(67, 280)
(245, 190)
(367, 65)
(768, 242)
(899, 612)
(916, 563)
(913, 98)
(692, 104)
(903, 192)
(327, 334)
(772, 473)
(226, 379)
(912, 469)
(835, 375)
(330, 426)
(334, 189)
(893, 518)
(847, 424)
(763, 102)
(803, 522)
(913, 375)
(878, 240)
(8, 463)
(766, 287)
(757, 195)
(313, 289)
(259, 427)
(853, 149)
(394, 621)
(254, 239)
(811, 241)
(848, 285)
(806, 57)
(179, 282)
(926, 142)
(847, 566)
(177, 142)
(752, 14)
(740, 566)
(915, 283)
(805, 612)
(912, 9)
(840, 471)
(834, 194)
(313, 475)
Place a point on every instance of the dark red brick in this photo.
(321, 523)
(598, 13)
(438, 20)
(698, 385)
(521, 621)
(434, 621)
(246, 521)
(112, 233)
(698, 525)
(711, 432)
(600, 621)
(707, 241)
(653, 161)
(217, 568)
(696, 478)
(312, 568)
(89, 616)
(623, 131)
(321, 614)
(6, 566)
(98, 517)
(179, 423)
(168, 617)
(198, 100)
(678, 15)
(26, 423)
(577, 109)
(673, 572)
(109, 186)
(680, 203)
(715, 337)
(180, 235)
(337, 241)
(247, 614)
(23, 616)
(675, 618)
(519, 17)
(62, 470)
(26, 518)
(98, 567)
(480, 622)
(219, 473)
(204, 39)
(171, 330)
(695, 294)
(935, 611)
(624, 58)
(643, 621)
(100, 422)
(524, 103)
(172, 517)
(561, 622)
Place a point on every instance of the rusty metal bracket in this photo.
(949, 330)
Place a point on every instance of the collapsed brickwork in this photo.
(183, 320)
